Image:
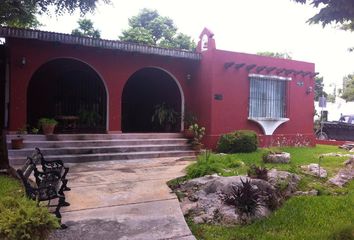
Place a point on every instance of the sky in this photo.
(248, 26)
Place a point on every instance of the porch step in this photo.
(75, 148)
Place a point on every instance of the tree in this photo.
(348, 87)
(319, 92)
(22, 13)
(86, 29)
(284, 55)
(148, 27)
(333, 11)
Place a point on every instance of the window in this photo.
(267, 96)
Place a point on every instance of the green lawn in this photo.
(327, 216)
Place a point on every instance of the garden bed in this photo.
(327, 215)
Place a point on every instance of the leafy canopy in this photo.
(284, 55)
(148, 27)
(22, 13)
(86, 29)
(319, 91)
(333, 11)
(348, 87)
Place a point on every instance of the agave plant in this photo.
(258, 172)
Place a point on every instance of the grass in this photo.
(327, 216)
(10, 186)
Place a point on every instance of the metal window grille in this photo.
(267, 97)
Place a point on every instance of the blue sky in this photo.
(239, 25)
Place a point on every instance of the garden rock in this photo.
(282, 157)
(315, 170)
(345, 174)
(205, 197)
(313, 192)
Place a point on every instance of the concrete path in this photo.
(124, 200)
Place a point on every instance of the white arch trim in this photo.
(99, 75)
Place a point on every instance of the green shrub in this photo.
(238, 141)
(20, 218)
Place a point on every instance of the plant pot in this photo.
(197, 147)
(17, 143)
(48, 129)
(188, 133)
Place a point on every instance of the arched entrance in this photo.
(144, 91)
(64, 89)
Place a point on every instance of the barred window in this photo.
(267, 96)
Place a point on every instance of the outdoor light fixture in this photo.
(309, 90)
(23, 61)
(189, 77)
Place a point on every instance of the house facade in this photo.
(114, 87)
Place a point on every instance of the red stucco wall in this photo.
(114, 67)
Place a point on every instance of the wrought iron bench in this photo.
(47, 186)
(48, 166)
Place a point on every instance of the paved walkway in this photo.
(124, 200)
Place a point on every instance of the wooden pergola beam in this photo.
(228, 64)
(250, 67)
(239, 65)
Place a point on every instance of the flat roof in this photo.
(8, 32)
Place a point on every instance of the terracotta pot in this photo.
(188, 133)
(48, 129)
(17, 143)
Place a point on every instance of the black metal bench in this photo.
(47, 186)
(49, 166)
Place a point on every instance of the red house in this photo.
(114, 86)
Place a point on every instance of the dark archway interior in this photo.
(67, 87)
(144, 90)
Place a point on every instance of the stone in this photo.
(312, 192)
(315, 170)
(208, 204)
(282, 157)
(345, 174)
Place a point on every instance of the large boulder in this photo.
(206, 199)
(281, 157)
(315, 170)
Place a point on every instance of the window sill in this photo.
(269, 125)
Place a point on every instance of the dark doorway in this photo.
(2, 85)
(144, 90)
(67, 88)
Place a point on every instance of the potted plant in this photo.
(164, 116)
(189, 119)
(17, 142)
(198, 134)
(47, 125)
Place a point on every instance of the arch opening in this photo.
(143, 92)
(70, 91)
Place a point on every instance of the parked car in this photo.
(338, 130)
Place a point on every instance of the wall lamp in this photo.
(189, 77)
(23, 61)
(309, 90)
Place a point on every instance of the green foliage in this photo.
(86, 29)
(245, 198)
(148, 27)
(20, 218)
(258, 172)
(47, 121)
(89, 118)
(22, 13)
(208, 164)
(198, 133)
(164, 114)
(284, 55)
(333, 11)
(348, 87)
(238, 141)
(319, 92)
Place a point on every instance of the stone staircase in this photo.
(75, 148)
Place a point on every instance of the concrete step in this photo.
(103, 149)
(67, 137)
(77, 158)
(99, 143)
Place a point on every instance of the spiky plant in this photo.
(246, 199)
(258, 172)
